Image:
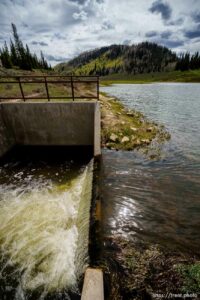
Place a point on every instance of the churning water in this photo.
(44, 213)
(157, 201)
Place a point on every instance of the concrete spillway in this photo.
(44, 229)
(50, 124)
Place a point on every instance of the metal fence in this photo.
(46, 80)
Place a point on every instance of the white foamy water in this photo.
(44, 232)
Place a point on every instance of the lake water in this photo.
(158, 201)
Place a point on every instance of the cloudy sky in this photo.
(64, 28)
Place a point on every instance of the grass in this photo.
(143, 269)
(171, 76)
(191, 277)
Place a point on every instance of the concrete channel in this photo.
(55, 124)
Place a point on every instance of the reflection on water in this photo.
(44, 213)
(158, 201)
(143, 199)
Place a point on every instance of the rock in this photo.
(134, 129)
(125, 139)
(150, 129)
(133, 137)
(138, 142)
(118, 113)
(113, 137)
(145, 141)
(122, 122)
(108, 145)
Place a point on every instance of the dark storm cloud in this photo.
(150, 34)
(81, 2)
(166, 34)
(193, 34)
(56, 58)
(196, 17)
(39, 43)
(178, 21)
(162, 35)
(173, 44)
(59, 36)
(163, 8)
(107, 25)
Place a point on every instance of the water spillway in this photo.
(44, 227)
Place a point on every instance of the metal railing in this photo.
(30, 79)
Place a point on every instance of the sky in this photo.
(62, 29)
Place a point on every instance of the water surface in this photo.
(158, 201)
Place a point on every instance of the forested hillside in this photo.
(145, 57)
(142, 58)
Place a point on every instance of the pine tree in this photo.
(20, 56)
(5, 57)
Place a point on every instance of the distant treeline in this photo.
(188, 62)
(20, 56)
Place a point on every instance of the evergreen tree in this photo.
(20, 56)
(5, 57)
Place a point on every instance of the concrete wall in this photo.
(49, 124)
(97, 130)
(6, 136)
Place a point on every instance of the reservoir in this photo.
(156, 200)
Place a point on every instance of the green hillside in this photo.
(121, 59)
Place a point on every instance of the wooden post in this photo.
(21, 89)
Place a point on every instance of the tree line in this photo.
(18, 55)
(188, 62)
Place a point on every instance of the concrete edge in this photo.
(97, 130)
(93, 288)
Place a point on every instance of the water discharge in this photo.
(44, 231)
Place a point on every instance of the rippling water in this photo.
(44, 228)
(157, 201)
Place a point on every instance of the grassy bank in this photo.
(123, 129)
(173, 76)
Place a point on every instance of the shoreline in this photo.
(128, 129)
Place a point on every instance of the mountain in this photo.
(135, 59)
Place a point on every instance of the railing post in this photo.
(98, 88)
(21, 89)
(45, 80)
(72, 85)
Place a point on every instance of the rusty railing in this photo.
(29, 79)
